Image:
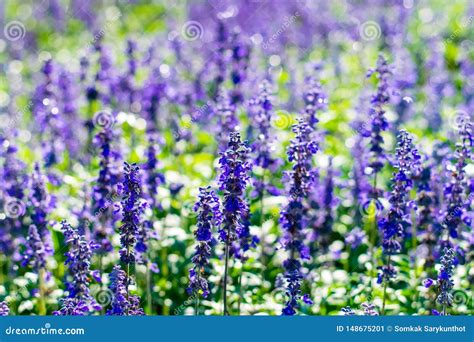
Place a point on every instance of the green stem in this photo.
(385, 285)
(226, 271)
(196, 308)
(373, 235)
(42, 293)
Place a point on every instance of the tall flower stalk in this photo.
(34, 256)
(79, 301)
(395, 224)
(261, 114)
(233, 181)
(293, 217)
(455, 190)
(378, 124)
(208, 217)
(132, 209)
(445, 282)
(123, 303)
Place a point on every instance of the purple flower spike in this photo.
(208, 217)
(293, 217)
(79, 301)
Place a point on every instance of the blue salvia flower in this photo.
(455, 190)
(105, 190)
(324, 229)
(132, 209)
(300, 152)
(123, 303)
(4, 310)
(35, 251)
(153, 178)
(396, 222)
(233, 181)
(79, 300)
(426, 203)
(12, 194)
(41, 204)
(445, 282)
(208, 217)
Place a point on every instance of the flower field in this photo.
(263, 157)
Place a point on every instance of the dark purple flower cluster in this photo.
(41, 204)
(426, 202)
(208, 217)
(323, 228)
(300, 152)
(394, 225)
(123, 303)
(445, 282)
(153, 177)
(79, 300)
(15, 180)
(105, 190)
(132, 209)
(233, 181)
